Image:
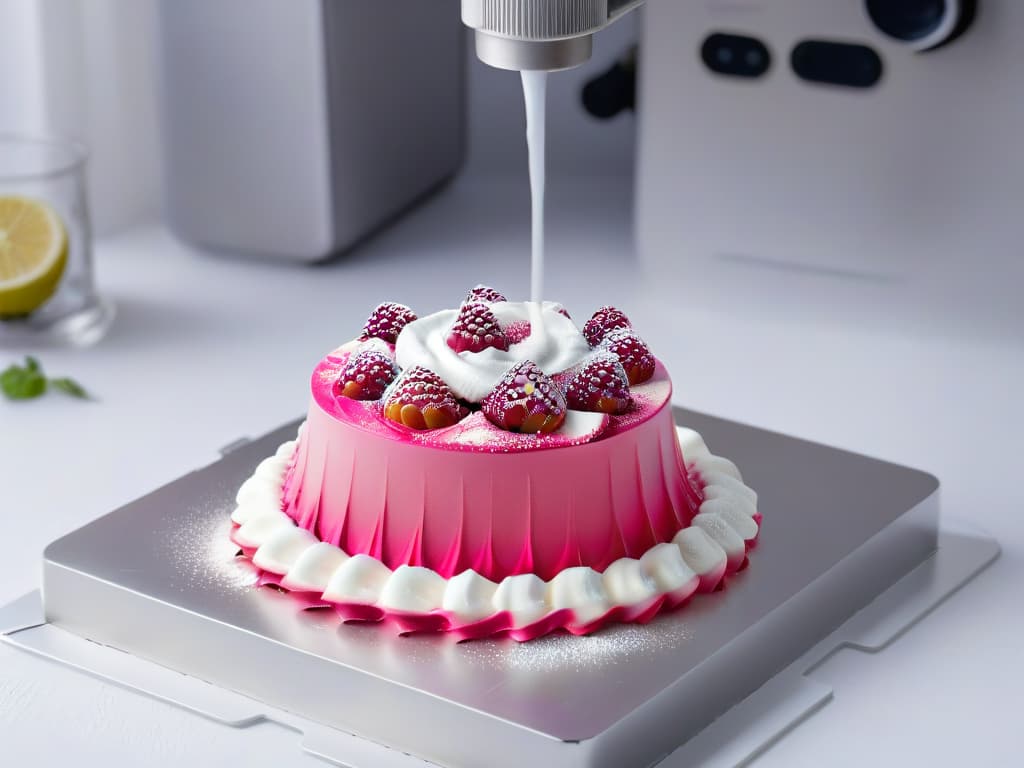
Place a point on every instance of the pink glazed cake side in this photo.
(372, 487)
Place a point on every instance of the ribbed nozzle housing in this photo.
(535, 19)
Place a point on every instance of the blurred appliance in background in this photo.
(294, 129)
(878, 138)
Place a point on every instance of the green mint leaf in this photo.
(70, 387)
(23, 383)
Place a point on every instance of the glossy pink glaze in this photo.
(372, 487)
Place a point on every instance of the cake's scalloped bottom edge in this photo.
(579, 599)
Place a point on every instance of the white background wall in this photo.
(21, 77)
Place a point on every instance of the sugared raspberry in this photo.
(421, 400)
(526, 400)
(387, 321)
(517, 331)
(604, 320)
(600, 384)
(366, 376)
(485, 293)
(476, 329)
(633, 353)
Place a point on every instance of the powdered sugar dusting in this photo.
(201, 546)
(476, 433)
(517, 331)
(647, 399)
(612, 645)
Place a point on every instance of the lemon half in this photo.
(33, 254)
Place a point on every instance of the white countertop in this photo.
(206, 350)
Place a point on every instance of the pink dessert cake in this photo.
(494, 469)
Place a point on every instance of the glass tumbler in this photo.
(47, 290)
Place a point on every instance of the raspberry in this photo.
(633, 353)
(600, 384)
(526, 400)
(517, 331)
(387, 321)
(476, 329)
(366, 376)
(419, 399)
(604, 320)
(485, 293)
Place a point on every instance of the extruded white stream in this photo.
(534, 93)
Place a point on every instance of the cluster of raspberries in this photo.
(526, 400)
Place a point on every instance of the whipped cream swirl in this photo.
(554, 343)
